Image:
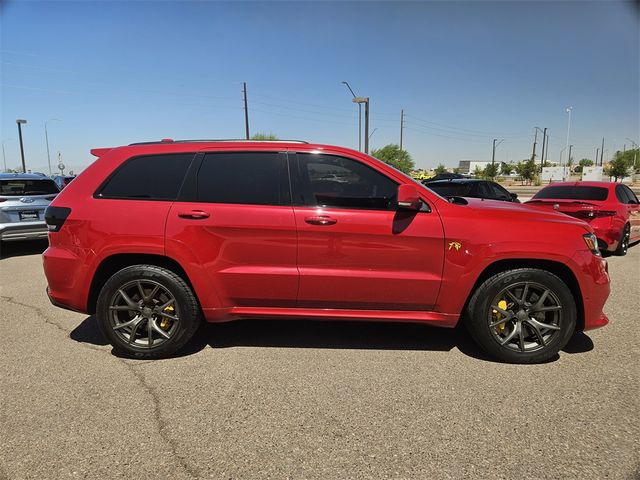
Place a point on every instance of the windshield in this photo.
(27, 187)
(571, 192)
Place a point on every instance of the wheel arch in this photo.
(113, 263)
(559, 269)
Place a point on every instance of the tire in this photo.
(154, 326)
(623, 244)
(532, 331)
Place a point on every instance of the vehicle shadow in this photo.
(22, 248)
(299, 333)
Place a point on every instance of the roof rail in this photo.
(168, 140)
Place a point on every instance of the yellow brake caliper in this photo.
(165, 323)
(496, 316)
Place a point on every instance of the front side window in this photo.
(151, 177)
(259, 178)
(332, 181)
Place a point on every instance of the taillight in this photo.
(55, 217)
(605, 213)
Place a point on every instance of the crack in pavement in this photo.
(161, 424)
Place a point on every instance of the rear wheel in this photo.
(623, 244)
(522, 316)
(147, 311)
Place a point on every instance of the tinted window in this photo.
(498, 192)
(27, 187)
(331, 181)
(621, 195)
(244, 178)
(631, 197)
(450, 189)
(573, 193)
(154, 177)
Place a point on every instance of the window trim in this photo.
(296, 183)
(97, 194)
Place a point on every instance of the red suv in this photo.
(612, 210)
(153, 237)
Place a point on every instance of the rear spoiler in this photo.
(98, 152)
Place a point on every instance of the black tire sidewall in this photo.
(187, 303)
(479, 306)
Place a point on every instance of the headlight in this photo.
(592, 243)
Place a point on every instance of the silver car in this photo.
(23, 199)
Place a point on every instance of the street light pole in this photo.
(493, 156)
(568, 110)
(20, 122)
(46, 136)
(544, 142)
(364, 100)
(359, 118)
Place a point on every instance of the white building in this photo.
(469, 166)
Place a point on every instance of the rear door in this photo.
(355, 249)
(236, 221)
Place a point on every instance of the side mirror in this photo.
(514, 196)
(408, 198)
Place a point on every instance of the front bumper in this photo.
(23, 231)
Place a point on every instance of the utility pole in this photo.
(20, 122)
(535, 141)
(493, 155)
(544, 141)
(569, 157)
(246, 111)
(597, 153)
(366, 127)
(602, 153)
(401, 126)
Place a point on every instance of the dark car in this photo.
(63, 180)
(469, 187)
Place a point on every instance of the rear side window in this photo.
(153, 177)
(573, 193)
(27, 187)
(251, 178)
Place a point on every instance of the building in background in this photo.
(469, 166)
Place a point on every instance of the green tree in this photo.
(440, 169)
(527, 170)
(490, 171)
(478, 172)
(585, 162)
(395, 157)
(264, 136)
(619, 167)
(506, 168)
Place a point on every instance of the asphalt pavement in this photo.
(300, 399)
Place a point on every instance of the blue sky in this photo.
(464, 72)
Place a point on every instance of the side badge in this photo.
(455, 245)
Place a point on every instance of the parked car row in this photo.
(316, 231)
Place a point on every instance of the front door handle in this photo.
(321, 220)
(194, 214)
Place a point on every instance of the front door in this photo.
(355, 249)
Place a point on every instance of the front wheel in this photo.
(524, 315)
(147, 311)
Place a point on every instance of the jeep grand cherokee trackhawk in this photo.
(153, 237)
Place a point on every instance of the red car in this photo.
(153, 237)
(611, 209)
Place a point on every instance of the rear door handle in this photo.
(321, 220)
(194, 214)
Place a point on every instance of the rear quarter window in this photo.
(150, 177)
(573, 193)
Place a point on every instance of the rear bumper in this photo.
(66, 272)
(22, 231)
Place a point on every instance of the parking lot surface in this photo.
(299, 399)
